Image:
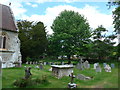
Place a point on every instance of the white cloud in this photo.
(34, 5)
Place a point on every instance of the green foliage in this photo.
(33, 39)
(102, 46)
(71, 33)
(22, 82)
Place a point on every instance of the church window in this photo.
(2, 42)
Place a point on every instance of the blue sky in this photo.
(95, 11)
(40, 9)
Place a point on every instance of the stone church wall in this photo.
(11, 53)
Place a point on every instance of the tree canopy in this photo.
(71, 33)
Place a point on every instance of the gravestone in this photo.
(107, 68)
(62, 63)
(30, 62)
(37, 66)
(98, 68)
(27, 72)
(104, 64)
(83, 77)
(95, 64)
(44, 63)
(71, 84)
(112, 65)
(86, 64)
(80, 65)
(50, 69)
(36, 62)
(27, 62)
(41, 66)
(47, 63)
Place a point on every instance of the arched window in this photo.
(2, 42)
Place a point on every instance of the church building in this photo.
(10, 55)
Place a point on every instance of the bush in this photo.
(22, 82)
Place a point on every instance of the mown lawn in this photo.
(100, 80)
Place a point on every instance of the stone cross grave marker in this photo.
(71, 84)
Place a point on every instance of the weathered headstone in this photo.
(83, 77)
(36, 62)
(44, 63)
(50, 69)
(107, 68)
(104, 64)
(98, 68)
(86, 64)
(80, 65)
(27, 62)
(95, 64)
(27, 72)
(41, 66)
(62, 63)
(30, 62)
(37, 66)
(112, 65)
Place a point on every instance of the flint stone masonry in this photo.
(61, 70)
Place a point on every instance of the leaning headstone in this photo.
(98, 68)
(112, 65)
(27, 72)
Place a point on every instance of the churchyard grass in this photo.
(100, 79)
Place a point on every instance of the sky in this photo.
(95, 11)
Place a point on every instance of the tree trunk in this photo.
(69, 60)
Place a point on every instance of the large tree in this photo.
(102, 46)
(33, 39)
(71, 33)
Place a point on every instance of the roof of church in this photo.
(6, 18)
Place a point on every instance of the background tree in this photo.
(102, 44)
(33, 39)
(116, 22)
(71, 33)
